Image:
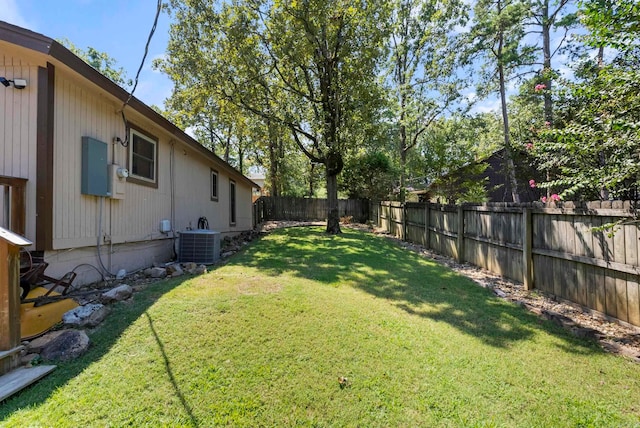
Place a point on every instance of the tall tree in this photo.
(422, 62)
(305, 65)
(547, 16)
(197, 52)
(497, 36)
(595, 145)
(612, 23)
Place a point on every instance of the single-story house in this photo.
(96, 185)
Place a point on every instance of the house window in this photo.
(214, 185)
(143, 158)
(232, 203)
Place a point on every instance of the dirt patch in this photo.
(268, 226)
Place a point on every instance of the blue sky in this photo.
(118, 27)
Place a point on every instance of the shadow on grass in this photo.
(412, 283)
(102, 338)
(172, 378)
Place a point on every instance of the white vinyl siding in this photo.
(18, 131)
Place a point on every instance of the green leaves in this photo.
(596, 149)
(368, 176)
(101, 61)
(613, 23)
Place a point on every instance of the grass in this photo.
(262, 341)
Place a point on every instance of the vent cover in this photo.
(199, 246)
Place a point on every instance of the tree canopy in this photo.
(101, 61)
(388, 91)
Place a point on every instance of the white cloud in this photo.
(487, 106)
(10, 12)
(471, 97)
(153, 88)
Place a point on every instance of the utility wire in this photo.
(125, 143)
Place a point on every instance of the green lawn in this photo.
(262, 341)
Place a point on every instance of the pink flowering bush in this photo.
(532, 184)
(529, 146)
(555, 198)
(540, 87)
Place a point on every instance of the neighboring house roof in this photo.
(37, 42)
(497, 185)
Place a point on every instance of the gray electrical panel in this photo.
(95, 175)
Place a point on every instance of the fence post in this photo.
(527, 260)
(404, 221)
(389, 218)
(460, 240)
(427, 214)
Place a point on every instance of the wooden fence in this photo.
(306, 209)
(556, 250)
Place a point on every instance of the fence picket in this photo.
(560, 253)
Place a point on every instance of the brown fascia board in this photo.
(37, 42)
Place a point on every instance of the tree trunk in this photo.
(227, 149)
(311, 179)
(403, 134)
(511, 173)
(403, 172)
(333, 215)
(546, 50)
(333, 164)
(274, 159)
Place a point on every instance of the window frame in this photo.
(139, 179)
(215, 186)
(232, 203)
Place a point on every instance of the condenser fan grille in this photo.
(199, 246)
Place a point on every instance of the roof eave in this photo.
(40, 43)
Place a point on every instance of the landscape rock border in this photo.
(95, 298)
(613, 336)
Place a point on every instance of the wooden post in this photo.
(389, 217)
(527, 256)
(404, 221)
(427, 214)
(10, 244)
(460, 240)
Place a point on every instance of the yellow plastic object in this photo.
(35, 321)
